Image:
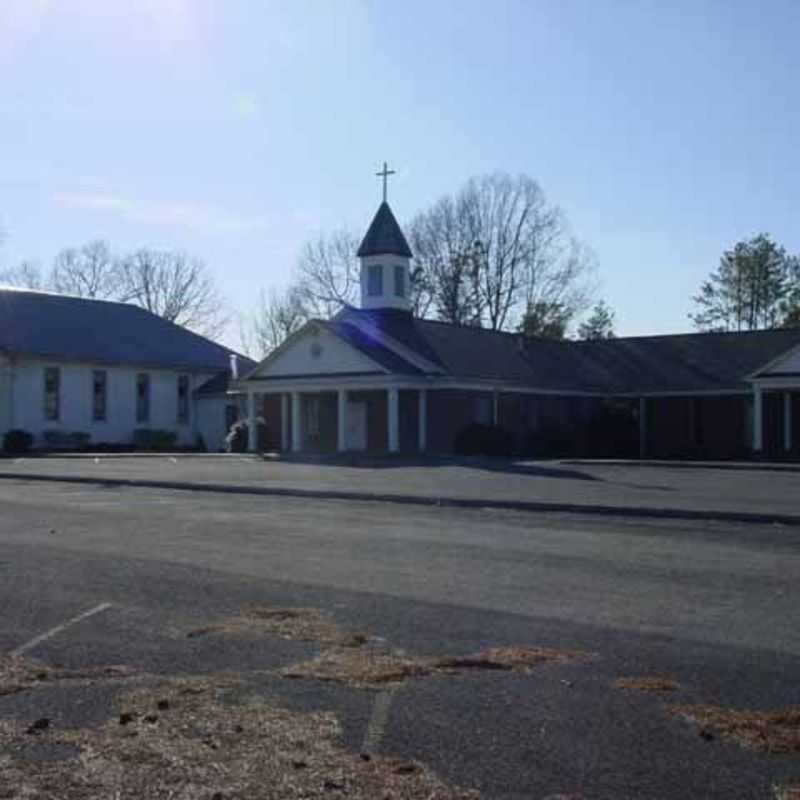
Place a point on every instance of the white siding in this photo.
(211, 417)
(76, 401)
(320, 354)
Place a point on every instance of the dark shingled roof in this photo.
(99, 331)
(384, 236)
(642, 364)
(222, 381)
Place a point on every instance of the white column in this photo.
(422, 417)
(758, 420)
(297, 435)
(341, 421)
(284, 422)
(642, 427)
(252, 428)
(787, 421)
(393, 414)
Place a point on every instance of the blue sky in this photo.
(237, 130)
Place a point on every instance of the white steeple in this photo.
(385, 260)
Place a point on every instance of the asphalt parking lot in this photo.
(744, 490)
(712, 606)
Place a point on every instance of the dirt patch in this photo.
(766, 731)
(369, 667)
(18, 674)
(181, 740)
(653, 684)
(298, 624)
(788, 792)
(518, 659)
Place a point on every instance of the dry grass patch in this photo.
(298, 624)
(363, 668)
(766, 731)
(18, 674)
(647, 684)
(369, 667)
(180, 740)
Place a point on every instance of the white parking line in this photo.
(53, 631)
(378, 721)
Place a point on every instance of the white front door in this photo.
(356, 428)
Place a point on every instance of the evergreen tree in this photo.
(751, 289)
(600, 325)
(546, 320)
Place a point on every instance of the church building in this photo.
(377, 379)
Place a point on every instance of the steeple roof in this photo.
(384, 236)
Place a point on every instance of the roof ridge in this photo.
(66, 296)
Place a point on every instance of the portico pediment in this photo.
(315, 351)
(785, 366)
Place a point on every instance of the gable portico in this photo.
(338, 415)
(776, 405)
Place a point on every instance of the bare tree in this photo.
(328, 274)
(87, 271)
(277, 316)
(174, 286)
(443, 255)
(27, 275)
(497, 249)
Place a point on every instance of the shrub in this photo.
(17, 441)
(153, 439)
(550, 444)
(64, 440)
(236, 439)
(484, 440)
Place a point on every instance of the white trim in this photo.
(770, 364)
(777, 383)
(366, 383)
(317, 325)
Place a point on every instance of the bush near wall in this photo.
(66, 440)
(17, 441)
(154, 439)
(236, 439)
(484, 440)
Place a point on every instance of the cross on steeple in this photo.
(385, 174)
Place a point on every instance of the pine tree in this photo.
(749, 290)
(600, 325)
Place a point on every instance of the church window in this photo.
(99, 392)
(375, 280)
(399, 281)
(52, 393)
(142, 397)
(183, 398)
